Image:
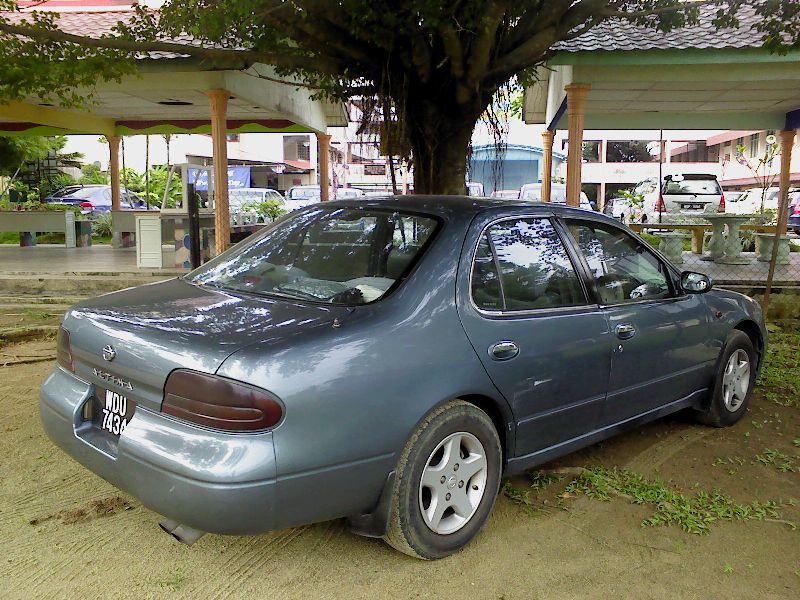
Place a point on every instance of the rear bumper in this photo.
(212, 481)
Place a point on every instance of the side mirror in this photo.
(695, 283)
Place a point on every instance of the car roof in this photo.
(450, 206)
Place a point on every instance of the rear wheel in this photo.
(447, 481)
(733, 386)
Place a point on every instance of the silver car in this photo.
(389, 361)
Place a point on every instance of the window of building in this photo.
(591, 151)
(632, 151)
(753, 145)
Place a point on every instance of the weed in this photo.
(727, 569)
(796, 443)
(782, 462)
(540, 480)
(781, 372)
(38, 314)
(175, 580)
(516, 495)
(692, 514)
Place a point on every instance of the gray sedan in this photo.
(388, 361)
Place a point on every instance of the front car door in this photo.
(525, 310)
(662, 354)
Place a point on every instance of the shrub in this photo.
(269, 209)
(101, 225)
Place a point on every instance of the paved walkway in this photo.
(46, 258)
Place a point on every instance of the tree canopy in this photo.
(425, 69)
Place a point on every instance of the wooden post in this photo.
(576, 105)
(218, 99)
(113, 169)
(547, 168)
(324, 142)
(787, 142)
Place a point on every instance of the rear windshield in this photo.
(692, 186)
(338, 256)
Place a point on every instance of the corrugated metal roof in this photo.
(619, 35)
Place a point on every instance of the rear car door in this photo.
(662, 352)
(526, 313)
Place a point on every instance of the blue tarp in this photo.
(238, 177)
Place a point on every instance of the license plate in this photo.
(112, 411)
(692, 206)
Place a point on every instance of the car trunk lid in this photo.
(153, 329)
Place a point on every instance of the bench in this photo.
(697, 230)
(29, 222)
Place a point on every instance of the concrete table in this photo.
(671, 245)
(726, 249)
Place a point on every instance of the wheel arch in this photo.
(752, 330)
(500, 414)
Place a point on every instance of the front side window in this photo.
(521, 264)
(624, 270)
(337, 256)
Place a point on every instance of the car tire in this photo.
(733, 382)
(455, 436)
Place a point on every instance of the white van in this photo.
(532, 192)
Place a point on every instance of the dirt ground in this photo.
(65, 533)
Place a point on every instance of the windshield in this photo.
(692, 186)
(338, 256)
(304, 193)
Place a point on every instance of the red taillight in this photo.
(660, 206)
(796, 209)
(63, 350)
(87, 205)
(721, 207)
(219, 403)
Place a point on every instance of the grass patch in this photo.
(694, 514)
(174, 581)
(37, 314)
(780, 376)
(782, 462)
(540, 480)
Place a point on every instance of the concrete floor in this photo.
(52, 258)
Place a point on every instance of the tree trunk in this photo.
(439, 137)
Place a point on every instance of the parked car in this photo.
(96, 198)
(688, 195)
(341, 363)
(532, 192)
(623, 209)
(506, 194)
(794, 212)
(474, 188)
(240, 197)
(691, 195)
(342, 193)
(301, 196)
(749, 203)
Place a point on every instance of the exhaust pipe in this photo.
(182, 533)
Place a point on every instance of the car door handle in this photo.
(625, 331)
(503, 350)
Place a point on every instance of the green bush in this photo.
(102, 225)
(269, 209)
(54, 182)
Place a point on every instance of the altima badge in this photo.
(109, 353)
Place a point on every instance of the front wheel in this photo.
(447, 481)
(733, 386)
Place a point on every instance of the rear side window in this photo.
(521, 264)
